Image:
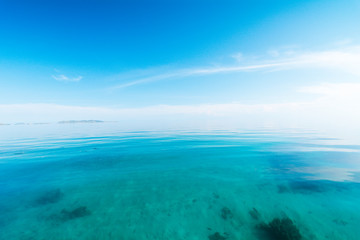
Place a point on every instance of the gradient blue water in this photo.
(93, 183)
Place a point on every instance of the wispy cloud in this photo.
(64, 78)
(199, 71)
(346, 59)
(153, 78)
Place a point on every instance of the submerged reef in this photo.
(67, 215)
(311, 187)
(340, 222)
(48, 197)
(281, 229)
(307, 187)
(75, 213)
(301, 187)
(254, 214)
(216, 195)
(226, 213)
(217, 236)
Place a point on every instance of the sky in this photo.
(281, 62)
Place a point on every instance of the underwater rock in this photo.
(303, 187)
(226, 213)
(216, 196)
(254, 214)
(281, 229)
(307, 187)
(79, 212)
(340, 222)
(317, 186)
(217, 236)
(51, 196)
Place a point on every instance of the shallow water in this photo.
(72, 184)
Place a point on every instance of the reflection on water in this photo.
(213, 185)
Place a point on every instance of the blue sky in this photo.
(104, 58)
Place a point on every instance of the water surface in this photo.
(107, 184)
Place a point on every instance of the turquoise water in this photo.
(97, 184)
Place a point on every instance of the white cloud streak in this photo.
(345, 59)
(200, 71)
(64, 78)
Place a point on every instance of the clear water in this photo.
(95, 183)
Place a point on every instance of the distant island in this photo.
(80, 121)
(60, 122)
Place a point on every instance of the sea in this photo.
(97, 181)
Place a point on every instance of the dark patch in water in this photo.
(281, 229)
(340, 222)
(254, 214)
(226, 213)
(75, 213)
(307, 187)
(48, 197)
(310, 187)
(216, 196)
(217, 236)
(67, 215)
